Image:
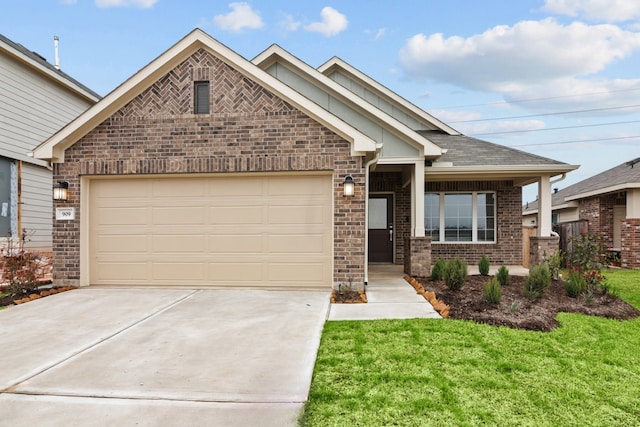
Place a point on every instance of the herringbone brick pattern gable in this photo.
(231, 92)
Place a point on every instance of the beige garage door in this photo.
(242, 231)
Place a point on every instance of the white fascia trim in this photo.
(39, 68)
(409, 107)
(551, 170)
(606, 190)
(554, 208)
(53, 148)
(275, 52)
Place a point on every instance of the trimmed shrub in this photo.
(437, 272)
(555, 261)
(483, 265)
(455, 273)
(575, 284)
(537, 281)
(503, 276)
(492, 291)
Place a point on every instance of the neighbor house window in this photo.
(201, 90)
(460, 217)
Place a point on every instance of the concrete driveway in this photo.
(160, 357)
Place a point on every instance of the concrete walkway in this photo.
(105, 357)
(389, 296)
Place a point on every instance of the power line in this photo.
(576, 141)
(547, 114)
(519, 101)
(556, 128)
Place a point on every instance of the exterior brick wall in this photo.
(598, 211)
(542, 247)
(508, 247)
(417, 258)
(630, 243)
(249, 130)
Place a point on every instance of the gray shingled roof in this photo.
(466, 151)
(624, 174)
(42, 61)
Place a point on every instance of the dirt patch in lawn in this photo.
(517, 311)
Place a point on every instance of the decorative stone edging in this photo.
(43, 293)
(437, 304)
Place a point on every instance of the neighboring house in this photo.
(36, 100)
(609, 202)
(208, 170)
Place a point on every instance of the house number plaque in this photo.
(65, 214)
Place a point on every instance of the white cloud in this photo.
(289, 23)
(596, 10)
(510, 59)
(241, 16)
(333, 22)
(142, 4)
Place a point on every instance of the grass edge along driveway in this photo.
(425, 372)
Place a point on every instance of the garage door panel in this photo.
(233, 215)
(296, 214)
(236, 243)
(121, 216)
(256, 231)
(179, 189)
(181, 272)
(119, 243)
(195, 244)
(121, 271)
(294, 244)
(184, 215)
(295, 272)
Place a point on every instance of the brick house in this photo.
(610, 204)
(205, 169)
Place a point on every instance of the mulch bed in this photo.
(21, 298)
(517, 311)
(348, 297)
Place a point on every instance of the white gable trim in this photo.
(395, 99)
(53, 149)
(275, 54)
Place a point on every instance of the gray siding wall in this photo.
(32, 108)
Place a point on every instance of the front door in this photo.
(380, 228)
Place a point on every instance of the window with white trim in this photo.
(465, 217)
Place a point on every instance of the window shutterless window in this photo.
(201, 98)
(460, 217)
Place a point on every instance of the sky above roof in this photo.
(556, 78)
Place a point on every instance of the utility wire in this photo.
(518, 101)
(547, 114)
(575, 141)
(556, 128)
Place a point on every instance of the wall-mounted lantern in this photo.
(61, 191)
(349, 186)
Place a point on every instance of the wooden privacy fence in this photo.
(527, 232)
(568, 230)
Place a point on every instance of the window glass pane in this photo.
(378, 214)
(486, 217)
(458, 217)
(432, 216)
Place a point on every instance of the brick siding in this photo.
(249, 130)
(630, 243)
(598, 211)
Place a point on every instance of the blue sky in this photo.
(557, 78)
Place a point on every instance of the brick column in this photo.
(630, 243)
(542, 247)
(417, 256)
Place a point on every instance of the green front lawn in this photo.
(446, 372)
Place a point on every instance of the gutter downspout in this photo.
(366, 214)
